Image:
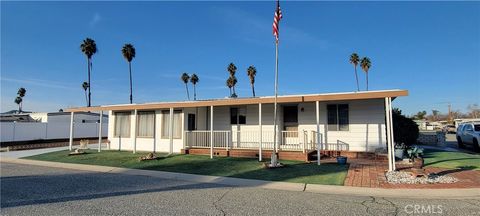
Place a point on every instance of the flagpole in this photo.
(274, 153)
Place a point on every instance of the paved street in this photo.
(35, 190)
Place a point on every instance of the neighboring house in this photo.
(422, 124)
(48, 126)
(347, 122)
(463, 120)
(24, 117)
(64, 117)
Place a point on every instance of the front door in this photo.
(290, 125)
(191, 122)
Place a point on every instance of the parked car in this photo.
(469, 133)
(449, 129)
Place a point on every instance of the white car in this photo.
(469, 133)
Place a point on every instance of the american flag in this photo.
(276, 19)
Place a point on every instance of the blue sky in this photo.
(431, 49)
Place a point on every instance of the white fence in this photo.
(25, 131)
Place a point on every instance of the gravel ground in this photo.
(396, 177)
(35, 190)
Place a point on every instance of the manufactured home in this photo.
(351, 123)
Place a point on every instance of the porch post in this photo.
(391, 133)
(387, 128)
(317, 111)
(211, 131)
(135, 115)
(260, 132)
(100, 132)
(170, 131)
(71, 132)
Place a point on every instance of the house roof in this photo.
(246, 101)
(16, 118)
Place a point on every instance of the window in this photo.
(238, 116)
(477, 127)
(467, 127)
(177, 124)
(122, 124)
(146, 124)
(337, 117)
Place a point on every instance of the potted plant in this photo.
(400, 150)
(342, 160)
(415, 155)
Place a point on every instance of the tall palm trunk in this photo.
(130, 70)
(253, 90)
(188, 94)
(89, 84)
(194, 93)
(367, 81)
(356, 78)
(86, 98)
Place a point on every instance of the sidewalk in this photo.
(31, 152)
(237, 182)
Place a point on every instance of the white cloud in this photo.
(95, 19)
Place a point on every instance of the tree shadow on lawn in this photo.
(435, 157)
(250, 168)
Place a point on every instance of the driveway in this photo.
(35, 190)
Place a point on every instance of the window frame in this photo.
(129, 114)
(138, 123)
(166, 113)
(337, 124)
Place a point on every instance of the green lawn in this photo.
(294, 171)
(455, 160)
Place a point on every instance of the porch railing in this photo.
(201, 139)
(287, 140)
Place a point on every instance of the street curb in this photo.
(285, 186)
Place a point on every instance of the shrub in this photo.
(405, 130)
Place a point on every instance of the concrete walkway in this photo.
(237, 182)
(31, 152)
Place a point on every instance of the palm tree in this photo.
(18, 101)
(232, 69)
(20, 94)
(128, 52)
(354, 59)
(366, 64)
(252, 72)
(229, 84)
(185, 78)
(194, 80)
(85, 87)
(234, 83)
(89, 48)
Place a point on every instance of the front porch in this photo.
(292, 145)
